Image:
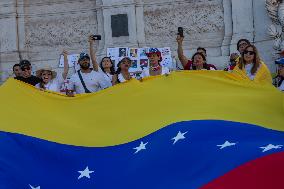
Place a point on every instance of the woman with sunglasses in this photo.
(122, 73)
(49, 79)
(251, 67)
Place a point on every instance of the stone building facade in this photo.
(39, 30)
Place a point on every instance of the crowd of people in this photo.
(90, 79)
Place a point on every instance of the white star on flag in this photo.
(142, 146)
(226, 144)
(34, 187)
(270, 147)
(85, 173)
(180, 136)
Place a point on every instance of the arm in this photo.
(93, 54)
(66, 65)
(114, 79)
(181, 56)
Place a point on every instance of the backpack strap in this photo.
(83, 83)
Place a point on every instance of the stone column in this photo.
(140, 23)
(8, 38)
(100, 21)
(227, 5)
(21, 28)
(243, 21)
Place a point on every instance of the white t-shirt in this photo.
(248, 68)
(281, 87)
(107, 76)
(146, 72)
(121, 79)
(94, 82)
(54, 85)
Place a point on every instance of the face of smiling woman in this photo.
(46, 76)
(249, 55)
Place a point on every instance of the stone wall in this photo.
(40, 29)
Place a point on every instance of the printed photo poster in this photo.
(142, 52)
(113, 53)
(133, 53)
(134, 65)
(72, 60)
(122, 51)
(167, 57)
(139, 57)
(144, 63)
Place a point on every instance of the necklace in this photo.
(155, 68)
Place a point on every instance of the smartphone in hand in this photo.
(97, 37)
(180, 31)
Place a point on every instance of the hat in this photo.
(24, 63)
(154, 51)
(280, 61)
(83, 56)
(47, 68)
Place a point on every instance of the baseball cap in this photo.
(154, 51)
(83, 56)
(24, 63)
(280, 61)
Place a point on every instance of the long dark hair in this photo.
(256, 60)
(203, 57)
(112, 71)
(118, 65)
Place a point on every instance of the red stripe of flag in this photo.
(263, 173)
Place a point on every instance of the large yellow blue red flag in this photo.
(194, 129)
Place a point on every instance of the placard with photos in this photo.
(139, 57)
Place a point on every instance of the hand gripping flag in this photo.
(195, 129)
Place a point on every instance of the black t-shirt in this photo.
(33, 80)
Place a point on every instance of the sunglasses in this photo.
(25, 68)
(249, 52)
(243, 44)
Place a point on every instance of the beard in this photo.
(85, 66)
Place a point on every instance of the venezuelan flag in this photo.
(194, 129)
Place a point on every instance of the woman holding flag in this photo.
(251, 67)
